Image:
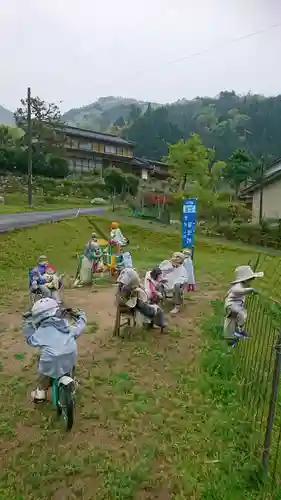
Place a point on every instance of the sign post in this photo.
(189, 213)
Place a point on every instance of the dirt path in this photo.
(99, 307)
(127, 389)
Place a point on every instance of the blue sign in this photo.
(189, 212)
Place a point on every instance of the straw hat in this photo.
(187, 252)
(114, 225)
(94, 236)
(245, 273)
(42, 259)
(178, 258)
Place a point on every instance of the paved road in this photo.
(25, 219)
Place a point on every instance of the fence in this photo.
(259, 362)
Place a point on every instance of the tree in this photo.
(190, 160)
(238, 169)
(9, 136)
(114, 180)
(132, 184)
(217, 175)
(47, 127)
(119, 122)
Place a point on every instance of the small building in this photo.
(271, 193)
(145, 169)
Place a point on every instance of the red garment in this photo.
(52, 268)
(152, 289)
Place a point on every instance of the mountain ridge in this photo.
(7, 117)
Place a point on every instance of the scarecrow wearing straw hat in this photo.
(174, 279)
(235, 312)
(131, 294)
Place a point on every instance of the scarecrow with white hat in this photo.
(175, 277)
(188, 264)
(131, 294)
(235, 312)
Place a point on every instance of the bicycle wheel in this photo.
(65, 405)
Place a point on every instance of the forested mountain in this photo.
(227, 122)
(102, 114)
(6, 117)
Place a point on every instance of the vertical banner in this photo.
(189, 213)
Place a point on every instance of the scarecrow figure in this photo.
(235, 312)
(174, 279)
(116, 236)
(188, 264)
(131, 294)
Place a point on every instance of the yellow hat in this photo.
(114, 225)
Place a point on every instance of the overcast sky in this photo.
(77, 51)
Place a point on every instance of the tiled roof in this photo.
(98, 136)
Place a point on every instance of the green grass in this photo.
(157, 417)
(15, 203)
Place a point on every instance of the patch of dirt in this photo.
(101, 355)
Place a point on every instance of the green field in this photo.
(155, 417)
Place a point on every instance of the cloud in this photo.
(77, 51)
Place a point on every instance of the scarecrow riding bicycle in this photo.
(47, 328)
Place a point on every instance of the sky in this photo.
(154, 50)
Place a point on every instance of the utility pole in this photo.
(261, 191)
(29, 146)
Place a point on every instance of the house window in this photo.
(110, 149)
(74, 143)
(121, 152)
(87, 146)
(130, 153)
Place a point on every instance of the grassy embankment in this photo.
(155, 417)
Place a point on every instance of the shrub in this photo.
(253, 234)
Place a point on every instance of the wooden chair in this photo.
(125, 316)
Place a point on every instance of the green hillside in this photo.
(103, 113)
(226, 122)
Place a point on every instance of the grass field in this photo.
(156, 418)
(15, 203)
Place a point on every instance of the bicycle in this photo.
(63, 393)
(63, 388)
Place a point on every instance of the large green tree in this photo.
(190, 161)
(239, 168)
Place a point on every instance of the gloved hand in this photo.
(26, 315)
(68, 311)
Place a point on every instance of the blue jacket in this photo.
(39, 271)
(56, 340)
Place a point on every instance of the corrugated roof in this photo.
(99, 136)
(268, 178)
